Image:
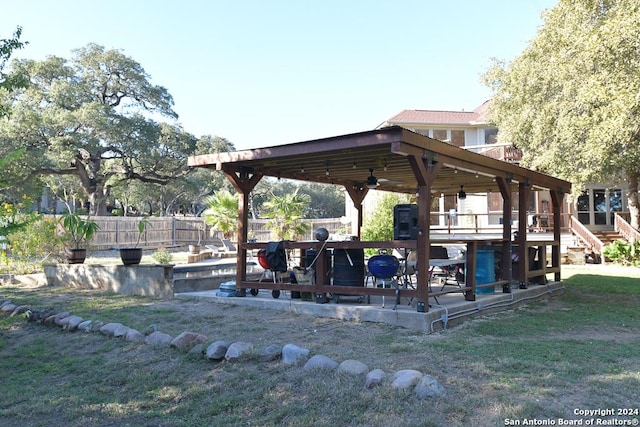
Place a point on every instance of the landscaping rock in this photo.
(374, 378)
(109, 328)
(96, 325)
(72, 322)
(37, 315)
(19, 310)
(429, 387)
(58, 319)
(238, 351)
(8, 308)
(158, 339)
(85, 326)
(197, 349)
(50, 320)
(406, 378)
(186, 340)
(320, 362)
(352, 367)
(217, 350)
(121, 331)
(271, 352)
(292, 354)
(133, 335)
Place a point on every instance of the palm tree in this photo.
(221, 213)
(286, 213)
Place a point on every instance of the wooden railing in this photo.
(589, 239)
(624, 228)
(492, 222)
(506, 153)
(323, 286)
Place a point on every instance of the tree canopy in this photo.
(286, 213)
(571, 100)
(9, 82)
(92, 117)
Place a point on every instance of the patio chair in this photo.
(228, 246)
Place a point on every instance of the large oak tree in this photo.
(571, 100)
(9, 83)
(93, 117)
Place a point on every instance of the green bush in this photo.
(32, 245)
(162, 256)
(623, 252)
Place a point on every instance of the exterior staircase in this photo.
(595, 242)
(608, 236)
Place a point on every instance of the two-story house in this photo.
(471, 130)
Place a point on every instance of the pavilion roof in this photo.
(347, 160)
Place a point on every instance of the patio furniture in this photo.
(385, 269)
(273, 259)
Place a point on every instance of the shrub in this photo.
(162, 256)
(32, 245)
(623, 252)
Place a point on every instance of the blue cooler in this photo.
(485, 271)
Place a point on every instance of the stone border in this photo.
(424, 386)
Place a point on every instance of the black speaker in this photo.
(405, 222)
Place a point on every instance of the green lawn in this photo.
(580, 350)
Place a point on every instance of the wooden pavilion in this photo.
(397, 160)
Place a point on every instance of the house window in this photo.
(582, 206)
(457, 138)
(440, 134)
(424, 132)
(600, 207)
(490, 136)
(495, 202)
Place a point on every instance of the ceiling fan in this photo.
(373, 182)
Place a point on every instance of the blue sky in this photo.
(265, 72)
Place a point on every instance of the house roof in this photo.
(392, 153)
(440, 117)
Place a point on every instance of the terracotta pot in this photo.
(75, 256)
(194, 249)
(130, 256)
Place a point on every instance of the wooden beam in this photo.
(357, 195)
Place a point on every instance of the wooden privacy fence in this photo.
(116, 232)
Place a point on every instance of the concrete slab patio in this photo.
(451, 309)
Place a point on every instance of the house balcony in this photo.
(505, 152)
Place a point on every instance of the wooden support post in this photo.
(425, 169)
(523, 251)
(243, 180)
(556, 202)
(470, 275)
(504, 184)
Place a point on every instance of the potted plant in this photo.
(195, 249)
(78, 231)
(132, 256)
